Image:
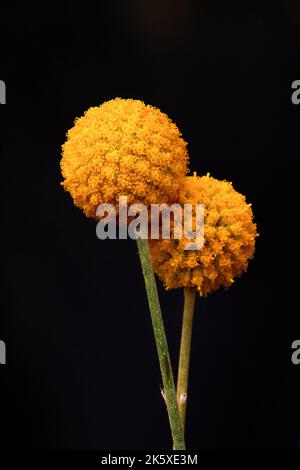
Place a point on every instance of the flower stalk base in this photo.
(169, 391)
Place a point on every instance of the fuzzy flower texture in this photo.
(123, 147)
(229, 239)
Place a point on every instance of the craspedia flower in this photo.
(123, 147)
(229, 239)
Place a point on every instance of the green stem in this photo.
(169, 391)
(185, 352)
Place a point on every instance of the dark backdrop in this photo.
(82, 370)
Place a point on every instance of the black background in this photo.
(82, 370)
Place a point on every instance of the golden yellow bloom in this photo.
(123, 147)
(229, 235)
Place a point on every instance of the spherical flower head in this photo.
(229, 239)
(123, 148)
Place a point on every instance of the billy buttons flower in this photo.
(123, 147)
(229, 239)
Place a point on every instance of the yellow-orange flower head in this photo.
(229, 239)
(123, 147)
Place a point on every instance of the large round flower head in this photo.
(229, 239)
(123, 148)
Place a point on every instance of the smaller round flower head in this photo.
(229, 239)
(123, 148)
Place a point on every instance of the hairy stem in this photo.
(185, 352)
(169, 391)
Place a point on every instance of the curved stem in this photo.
(169, 391)
(185, 352)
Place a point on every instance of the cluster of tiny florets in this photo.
(229, 239)
(126, 148)
(123, 147)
